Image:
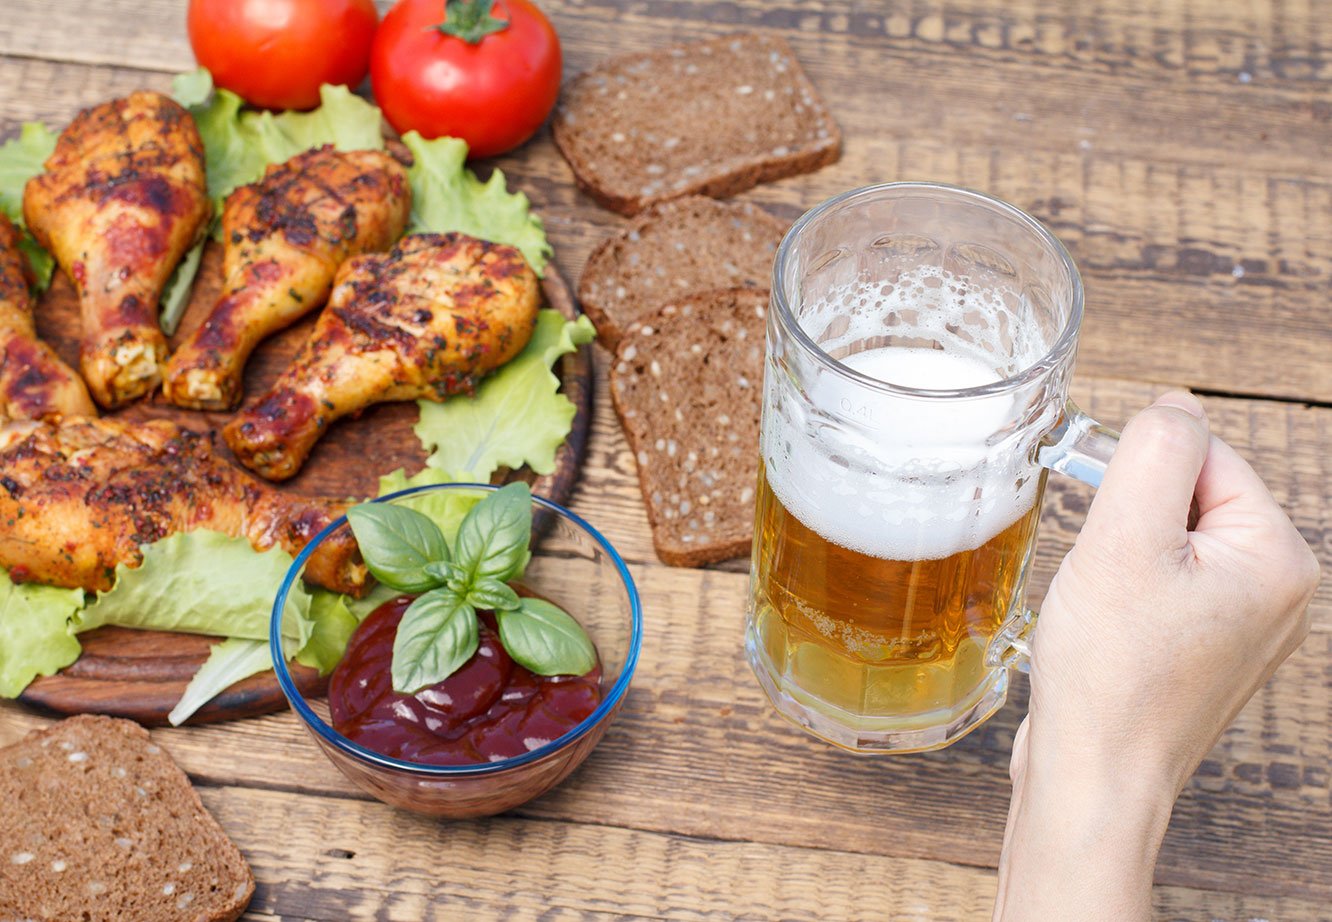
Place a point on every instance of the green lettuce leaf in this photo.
(361, 608)
(192, 88)
(202, 582)
(176, 297)
(228, 662)
(231, 152)
(447, 197)
(34, 632)
(342, 119)
(238, 658)
(333, 626)
(446, 508)
(517, 415)
(21, 159)
(238, 144)
(42, 263)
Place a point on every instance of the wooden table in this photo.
(1181, 149)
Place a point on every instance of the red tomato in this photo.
(276, 53)
(487, 72)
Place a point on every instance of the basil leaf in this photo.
(493, 538)
(492, 594)
(436, 636)
(397, 543)
(448, 573)
(546, 639)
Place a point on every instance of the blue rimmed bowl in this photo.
(572, 566)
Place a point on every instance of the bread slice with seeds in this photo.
(673, 250)
(687, 384)
(97, 823)
(712, 117)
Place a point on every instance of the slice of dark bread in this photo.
(687, 385)
(673, 250)
(713, 117)
(97, 823)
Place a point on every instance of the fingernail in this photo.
(1181, 400)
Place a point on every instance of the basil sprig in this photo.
(438, 633)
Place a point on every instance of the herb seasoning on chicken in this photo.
(426, 320)
(285, 237)
(34, 382)
(78, 498)
(121, 200)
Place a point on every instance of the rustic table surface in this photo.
(1181, 149)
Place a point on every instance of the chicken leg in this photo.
(285, 237)
(121, 200)
(82, 497)
(34, 382)
(425, 320)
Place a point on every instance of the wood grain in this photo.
(334, 858)
(373, 863)
(1206, 251)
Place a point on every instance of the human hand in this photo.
(1151, 639)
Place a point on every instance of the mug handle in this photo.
(1079, 447)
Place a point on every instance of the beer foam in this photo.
(928, 304)
(903, 477)
(920, 428)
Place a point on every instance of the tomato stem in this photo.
(470, 20)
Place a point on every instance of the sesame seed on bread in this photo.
(686, 384)
(98, 823)
(713, 117)
(672, 250)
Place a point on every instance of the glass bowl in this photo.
(573, 566)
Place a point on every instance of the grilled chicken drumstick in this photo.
(121, 201)
(34, 382)
(285, 237)
(81, 496)
(425, 320)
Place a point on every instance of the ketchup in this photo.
(490, 709)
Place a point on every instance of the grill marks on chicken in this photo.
(426, 320)
(285, 237)
(80, 497)
(122, 199)
(34, 382)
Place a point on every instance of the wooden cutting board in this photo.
(141, 674)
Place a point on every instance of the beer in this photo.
(901, 639)
(876, 591)
(920, 343)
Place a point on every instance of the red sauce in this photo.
(490, 709)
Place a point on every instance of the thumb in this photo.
(1149, 484)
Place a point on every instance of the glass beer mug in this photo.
(919, 349)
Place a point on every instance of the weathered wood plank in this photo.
(1128, 77)
(371, 862)
(1271, 43)
(1197, 273)
(697, 751)
(334, 859)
